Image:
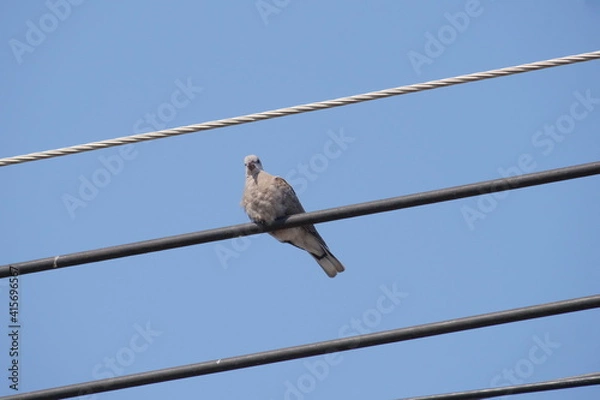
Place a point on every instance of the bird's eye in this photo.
(258, 161)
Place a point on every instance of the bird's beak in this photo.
(251, 166)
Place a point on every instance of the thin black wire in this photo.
(332, 214)
(562, 383)
(314, 349)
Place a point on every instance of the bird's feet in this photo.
(260, 222)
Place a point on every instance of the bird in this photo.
(268, 198)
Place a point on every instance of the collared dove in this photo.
(268, 198)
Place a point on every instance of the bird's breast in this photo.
(262, 202)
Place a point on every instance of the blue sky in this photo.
(109, 69)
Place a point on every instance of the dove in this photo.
(267, 198)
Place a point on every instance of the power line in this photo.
(562, 383)
(321, 105)
(332, 214)
(315, 349)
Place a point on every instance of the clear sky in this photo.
(80, 71)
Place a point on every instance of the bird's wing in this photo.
(305, 237)
(289, 199)
(293, 206)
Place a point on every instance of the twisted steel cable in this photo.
(321, 105)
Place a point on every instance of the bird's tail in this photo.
(329, 263)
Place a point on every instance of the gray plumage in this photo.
(267, 198)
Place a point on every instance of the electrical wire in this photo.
(332, 214)
(314, 349)
(562, 383)
(321, 105)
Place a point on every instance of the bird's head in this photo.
(253, 165)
